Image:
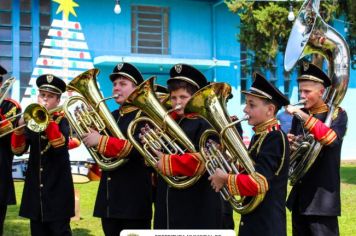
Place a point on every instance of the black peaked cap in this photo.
(189, 74)
(127, 70)
(51, 83)
(309, 71)
(262, 88)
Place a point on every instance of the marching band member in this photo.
(270, 152)
(315, 199)
(124, 196)
(195, 207)
(8, 108)
(48, 195)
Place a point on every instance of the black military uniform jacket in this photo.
(318, 192)
(8, 108)
(126, 192)
(196, 207)
(48, 193)
(269, 150)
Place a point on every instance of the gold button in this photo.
(41, 185)
(109, 178)
(41, 169)
(242, 223)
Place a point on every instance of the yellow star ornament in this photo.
(67, 7)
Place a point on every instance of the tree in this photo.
(264, 28)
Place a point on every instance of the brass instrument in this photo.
(36, 118)
(159, 137)
(210, 103)
(6, 87)
(310, 34)
(88, 111)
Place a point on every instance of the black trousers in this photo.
(3, 209)
(51, 228)
(314, 225)
(113, 227)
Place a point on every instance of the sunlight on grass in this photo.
(91, 226)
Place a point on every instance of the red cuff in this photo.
(18, 142)
(54, 135)
(73, 143)
(246, 185)
(114, 147)
(5, 125)
(187, 164)
(321, 132)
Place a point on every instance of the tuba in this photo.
(159, 137)
(310, 34)
(88, 111)
(210, 103)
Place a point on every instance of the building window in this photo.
(6, 35)
(45, 20)
(149, 33)
(25, 44)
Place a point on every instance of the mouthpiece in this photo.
(300, 102)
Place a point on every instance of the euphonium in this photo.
(310, 34)
(210, 103)
(88, 111)
(166, 133)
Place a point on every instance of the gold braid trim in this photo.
(58, 142)
(232, 185)
(12, 112)
(167, 167)
(200, 169)
(310, 123)
(283, 156)
(125, 150)
(103, 142)
(261, 182)
(6, 128)
(328, 138)
(19, 149)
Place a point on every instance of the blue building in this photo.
(153, 35)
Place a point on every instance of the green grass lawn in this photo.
(89, 225)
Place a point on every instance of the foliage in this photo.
(264, 28)
(349, 7)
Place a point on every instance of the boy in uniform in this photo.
(269, 151)
(124, 196)
(48, 195)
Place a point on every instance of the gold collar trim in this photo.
(323, 108)
(127, 109)
(267, 126)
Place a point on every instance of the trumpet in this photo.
(36, 118)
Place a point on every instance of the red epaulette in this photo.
(18, 106)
